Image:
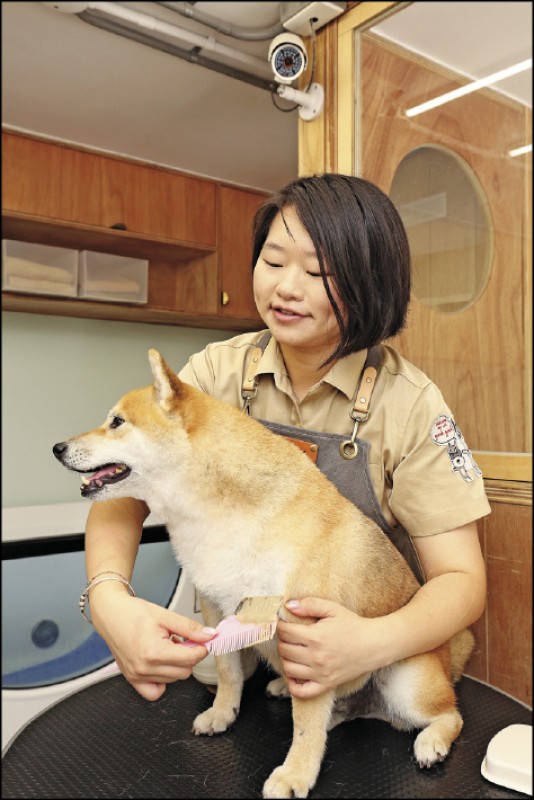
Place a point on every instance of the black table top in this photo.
(107, 742)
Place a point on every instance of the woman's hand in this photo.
(338, 647)
(138, 634)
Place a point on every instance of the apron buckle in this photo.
(248, 396)
(349, 448)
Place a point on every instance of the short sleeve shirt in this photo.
(423, 473)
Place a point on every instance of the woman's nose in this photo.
(290, 283)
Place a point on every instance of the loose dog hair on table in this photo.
(248, 514)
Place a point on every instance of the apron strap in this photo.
(360, 409)
(249, 387)
(362, 400)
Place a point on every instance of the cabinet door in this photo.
(48, 180)
(61, 183)
(158, 202)
(237, 209)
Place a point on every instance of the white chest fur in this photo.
(228, 561)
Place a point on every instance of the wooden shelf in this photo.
(57, 233)
(123, 312)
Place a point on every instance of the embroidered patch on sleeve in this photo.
(446, 433)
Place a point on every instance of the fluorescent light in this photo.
(519, 151)
(470, 87)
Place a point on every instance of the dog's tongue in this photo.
(105, 471)
(107, 474)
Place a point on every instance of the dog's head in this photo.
(125, 453)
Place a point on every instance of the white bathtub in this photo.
(44, 523)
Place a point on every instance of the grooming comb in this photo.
(254, 621)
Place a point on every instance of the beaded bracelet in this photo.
(94, 581)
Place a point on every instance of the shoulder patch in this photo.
(446, 433)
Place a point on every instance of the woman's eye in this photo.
(116, 422)
(271, 264)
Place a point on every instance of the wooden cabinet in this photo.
(197, 243)
(61, 183)
(237, 208)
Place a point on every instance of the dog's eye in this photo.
(116, 422)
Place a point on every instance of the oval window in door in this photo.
(449, 227)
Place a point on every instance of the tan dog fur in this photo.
(249, 514)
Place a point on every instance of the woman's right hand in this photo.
(138, 635)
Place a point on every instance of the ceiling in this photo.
(66, 79)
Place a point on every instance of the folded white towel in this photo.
(38, 287)
(119, 286)
(23, 268)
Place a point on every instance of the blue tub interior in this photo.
(45, 639)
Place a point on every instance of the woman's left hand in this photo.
(334, 649)
(338, 645)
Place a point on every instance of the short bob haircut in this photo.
(361, 241)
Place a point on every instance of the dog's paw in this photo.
(284, 783)
(214, 721)
(277, 688)
(430, 748)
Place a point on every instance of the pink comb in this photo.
(254, 622)
(235, 635)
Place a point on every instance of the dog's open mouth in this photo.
(106, 474)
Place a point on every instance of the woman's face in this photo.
(289, 291)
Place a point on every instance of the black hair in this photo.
(361, 241)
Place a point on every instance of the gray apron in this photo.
(343, 461)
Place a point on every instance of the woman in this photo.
(331, 282)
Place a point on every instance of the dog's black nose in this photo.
(59, 449)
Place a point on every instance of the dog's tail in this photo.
(462, 646)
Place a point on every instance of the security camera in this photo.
(288, 57)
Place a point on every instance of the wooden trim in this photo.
(364, 12)
(347, 78)
(505, 466)
(346, 84)
(514, 493)
(527, 288)
(312, 147)
(331, 89)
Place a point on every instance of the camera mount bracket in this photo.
(310, 102)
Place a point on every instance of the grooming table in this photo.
(107, 742)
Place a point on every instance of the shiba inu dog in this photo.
(249, 514)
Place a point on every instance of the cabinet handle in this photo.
(225, 298)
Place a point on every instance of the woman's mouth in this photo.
(286, 314)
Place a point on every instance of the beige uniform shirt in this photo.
(423, 473)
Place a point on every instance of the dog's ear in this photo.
(166, 382)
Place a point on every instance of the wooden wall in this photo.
(478, 356)
(503, 652)
(485, 370)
